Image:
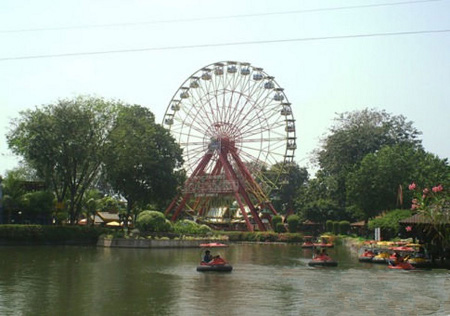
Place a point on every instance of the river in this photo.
(267, 279)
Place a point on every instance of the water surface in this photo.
(266, 280)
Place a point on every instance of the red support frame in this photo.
(226, 153)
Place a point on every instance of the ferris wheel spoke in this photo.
(238, 104)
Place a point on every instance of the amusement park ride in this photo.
(234, 123)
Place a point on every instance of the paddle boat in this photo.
(367, 256)
(400, 265)
(419, 262)
(322, 260)
(308, 243)
(213, 263)
(382, 257)
(322, 242)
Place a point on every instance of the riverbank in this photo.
(155, 243)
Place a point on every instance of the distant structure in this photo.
(234, 123)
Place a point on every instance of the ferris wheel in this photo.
(233, 122)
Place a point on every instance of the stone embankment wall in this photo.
(150, 243)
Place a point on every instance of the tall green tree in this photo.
(355, 135)
(142, 159)
(293, 179)
(380, 181)
(65, 143)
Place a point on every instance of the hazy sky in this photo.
(336, 59)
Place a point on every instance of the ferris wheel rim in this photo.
(188, 130)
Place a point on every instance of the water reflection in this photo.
(266, 280)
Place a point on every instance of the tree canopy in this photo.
(64, 142)
(355, 135)
(142, 159)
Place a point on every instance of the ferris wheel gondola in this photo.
(233, 122)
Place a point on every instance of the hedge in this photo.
(50, 234)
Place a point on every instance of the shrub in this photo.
(329, 225)
(336, 227)
(266, 236)
(344, 227)
(185, 226)
(293, 222)
(290, 237)
(50, 234)
(275, 220)
(153, 221)
(280, 228)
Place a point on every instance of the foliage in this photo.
(290, 185)
(355, 135)
(50, 234)
(110, 204)
(336, 228)
(38, 206)
(153, 221)
(321, 210)
(344, 227)
(276, 220)
(329, 225)
(434, 206)
(185, 226)
(389, 222)
(264, 236)
(142, 159)
(377, 184)
(293, 222)
(280, 228)
(65, 143)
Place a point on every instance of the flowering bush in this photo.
(434, 206)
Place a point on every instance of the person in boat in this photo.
(207, 257)
(369, 252)
(317, 254)
(398, 258)
(324, 253)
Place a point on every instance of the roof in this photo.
(108, 217)
(415, 219)
(358, 224)
(308, 222)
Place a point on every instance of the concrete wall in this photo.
(150, 243)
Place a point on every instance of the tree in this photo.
(295, 178)
(355, 135)
(377, 184)
(65, 143)
(142, 159)
(389, 222)
(38, 207)
(12, 193)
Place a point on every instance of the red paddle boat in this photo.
(213, 263)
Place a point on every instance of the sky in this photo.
(330, 56)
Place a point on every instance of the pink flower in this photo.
(408, 228)
(414, 206)
(415, 201)
(438, 188)
(412, 186)
(426, 191)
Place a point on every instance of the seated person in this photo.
(207, 257)
(398, 258)
(317, 254)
